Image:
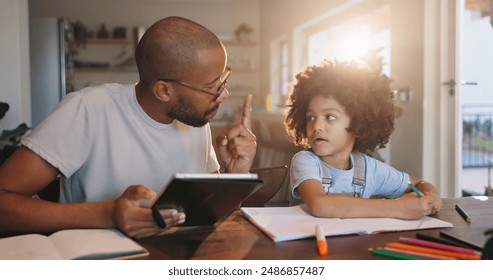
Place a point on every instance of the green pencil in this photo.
(395, 255)
(418, 193)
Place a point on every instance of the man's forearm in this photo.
(24, 214)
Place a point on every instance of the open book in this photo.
(289, 223)
(89, 244)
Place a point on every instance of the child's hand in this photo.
(437, 201)
(413, 207)
(429, 191)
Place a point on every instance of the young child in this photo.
(339, 111)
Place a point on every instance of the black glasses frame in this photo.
(220, 89)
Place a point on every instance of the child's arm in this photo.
(408, 206)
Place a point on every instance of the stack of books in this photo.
(418, 249)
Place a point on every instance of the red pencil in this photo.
(434, 245)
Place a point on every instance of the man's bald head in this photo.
(169, 48)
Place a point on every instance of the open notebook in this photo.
(289, 223)
(71, 244)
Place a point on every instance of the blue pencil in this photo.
(418, 193)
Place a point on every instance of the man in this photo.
(116, 145)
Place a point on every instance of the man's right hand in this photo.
(137, 222)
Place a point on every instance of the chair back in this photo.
(273, 178)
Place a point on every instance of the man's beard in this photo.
(187, 114)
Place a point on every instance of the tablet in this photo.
(206, 198)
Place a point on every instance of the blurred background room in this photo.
(437, 53)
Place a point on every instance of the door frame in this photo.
(442, 127)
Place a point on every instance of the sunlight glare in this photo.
(354, 47)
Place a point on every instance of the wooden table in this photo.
(236, 238)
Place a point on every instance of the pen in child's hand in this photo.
(321, 241)
(418, 193)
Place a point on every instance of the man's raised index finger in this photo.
(246, 114)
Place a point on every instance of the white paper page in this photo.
(94, 243)
(216, 176)
(376, 225)
(28, 247)
(289, 223)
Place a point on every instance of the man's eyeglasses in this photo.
(224, 80)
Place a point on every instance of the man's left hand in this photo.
(237, 149)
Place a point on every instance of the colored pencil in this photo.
(432, 238)
(394, 255)
(434, 245)
(466, 243)
(433, 251)
(418, 193)
(416, 254)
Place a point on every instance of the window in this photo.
(362, 33)
(284, 69)
(280, 75)
(363, 37)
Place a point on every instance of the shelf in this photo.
(243, 69)
(109, 41)
(105, 69)
(240, 43)
(237, 96)
(92, 69)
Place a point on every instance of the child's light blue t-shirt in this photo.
(381, 179)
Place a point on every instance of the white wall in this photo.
(14, 61)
